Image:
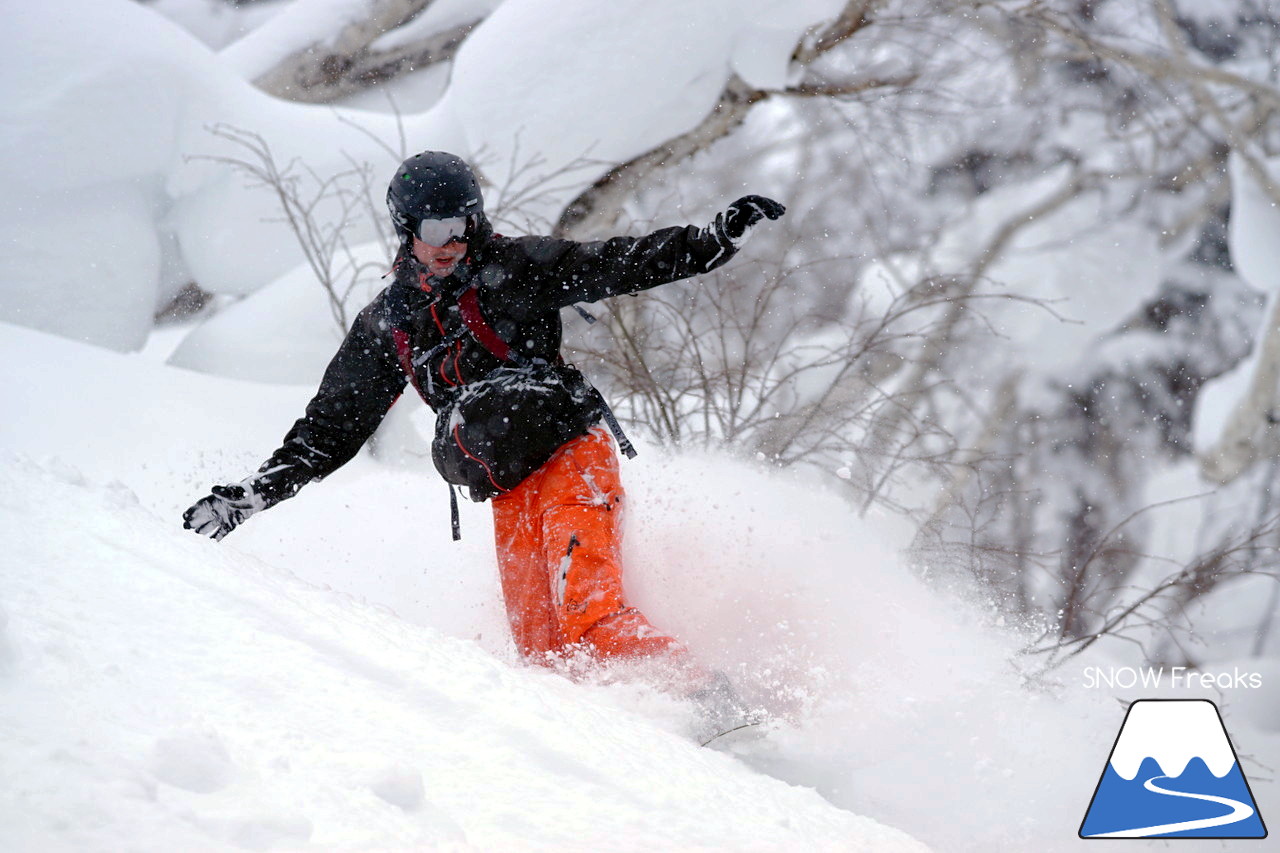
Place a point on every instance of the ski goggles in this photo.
(442, 232)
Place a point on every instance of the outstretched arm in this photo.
(565, 272)
(359, 386)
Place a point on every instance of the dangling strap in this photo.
(453, 514)
(624, 443)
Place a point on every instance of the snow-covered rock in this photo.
(108, 103)
(83, 262)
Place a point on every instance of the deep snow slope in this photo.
(158, 692)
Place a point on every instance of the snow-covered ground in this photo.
(163, 695)
(338, 674)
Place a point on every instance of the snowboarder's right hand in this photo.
(221, 511)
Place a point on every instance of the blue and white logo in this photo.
(1173, 774)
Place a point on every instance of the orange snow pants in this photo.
(558, 536)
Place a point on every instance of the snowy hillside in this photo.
(185, 695)
(161, 694)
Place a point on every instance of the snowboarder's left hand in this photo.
(221, 511)
(741, 216)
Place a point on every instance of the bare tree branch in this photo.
(318, 211)
(596, 208)
(1150, 608)
(848, 88)
(1155, 65)
(348, 63)
(935, 346)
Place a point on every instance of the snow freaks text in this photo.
(1174, 677)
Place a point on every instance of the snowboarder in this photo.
(472, 321)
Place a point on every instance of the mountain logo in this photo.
(1172, 773)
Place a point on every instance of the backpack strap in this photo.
(469, 307)
(624, 443)
(404, 354)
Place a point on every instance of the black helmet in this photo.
(432, 185)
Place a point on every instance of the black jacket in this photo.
(414, 330)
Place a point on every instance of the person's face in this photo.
(440, 261)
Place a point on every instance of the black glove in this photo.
(220, 512)
(744, 213)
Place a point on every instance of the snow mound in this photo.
(218, 24)
(1255, 221)
(1232, 418)
(286, 332)
(183, 695)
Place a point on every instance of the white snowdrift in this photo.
(164, 693)
(284, 333)
(304, 23)
(574, 79)
(299, 25)
(1255, 222)
(104, 101)
(85, 264)
(109, 103)
(216, 23)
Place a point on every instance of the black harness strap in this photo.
(453, 514)
(624, 443)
